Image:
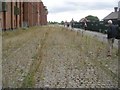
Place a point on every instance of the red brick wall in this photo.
(8, 16)
(37, 13)
(18, 17)
(12, 15)
(41, 13)
(25, 13)
(30, 10)
(21, 14)
(31, 13)
(34, 13)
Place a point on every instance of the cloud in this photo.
(75, 6)
(77, 9)
(62, 9)
(77, 15)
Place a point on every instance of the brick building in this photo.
(22, 14)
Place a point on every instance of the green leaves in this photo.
(92, 18)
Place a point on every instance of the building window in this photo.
(16, 10)
(3, 6)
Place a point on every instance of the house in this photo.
(22, 14)
(112, 16)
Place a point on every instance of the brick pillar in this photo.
(25, 14)
(18, 16)
(35, 14)
(15, 17)
(21, 13)
(31, 14)
(38, 14)
(12, 15)
(28, 13)
(4, 20)
(41, 13)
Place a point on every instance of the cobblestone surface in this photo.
(58, 58)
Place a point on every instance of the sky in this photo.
(62, 10)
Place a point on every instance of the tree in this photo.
(62, 22)
(92, 18)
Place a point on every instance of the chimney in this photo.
(116, 9)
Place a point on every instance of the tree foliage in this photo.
(53, 22)
(92, 18)
(62, 22)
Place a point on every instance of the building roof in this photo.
(84, 20)
(112, 15)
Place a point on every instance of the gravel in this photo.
(65, 61)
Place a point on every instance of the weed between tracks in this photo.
(29, 80)
(90, 49)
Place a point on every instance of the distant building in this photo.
(113, 15)
(84, 20)
(22, 14)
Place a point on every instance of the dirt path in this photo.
(56, 57)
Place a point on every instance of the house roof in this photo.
(112, 15)
(81, 20)
(84, 20)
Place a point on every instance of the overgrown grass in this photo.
(13, 33)
(96, 51)
(88, 47)
(15, 39)
(29, 80)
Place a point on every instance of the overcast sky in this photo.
(67, 9)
